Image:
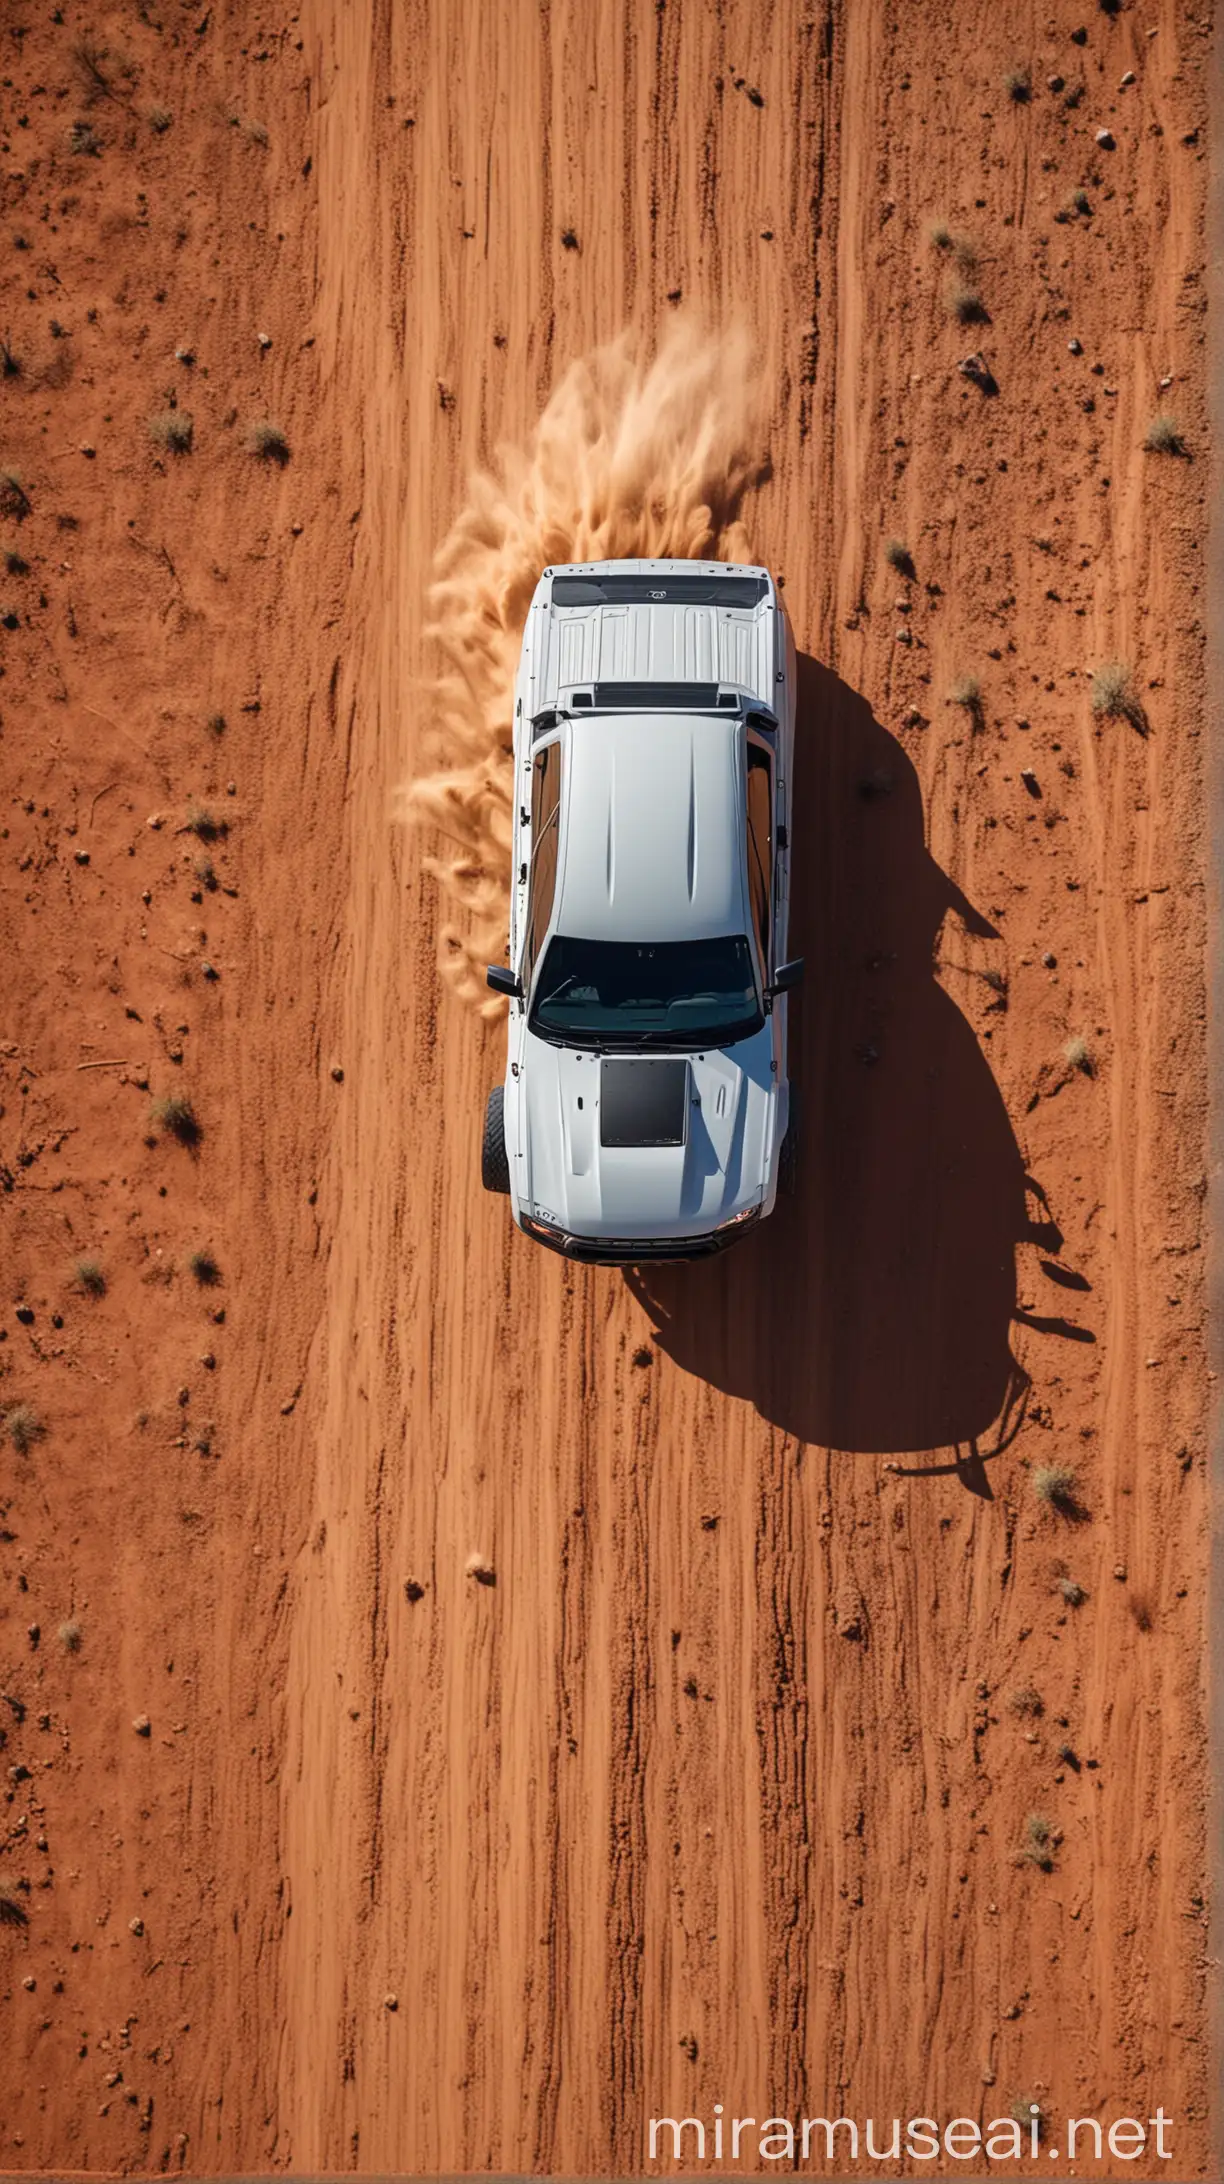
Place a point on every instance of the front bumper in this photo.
(631, 1251)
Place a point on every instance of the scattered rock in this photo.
(413, 1590)
(1105, 139)
(337, 1073)
(1126, 80)
(143, 1726)
(136, 1926)
(25, 1314)
(264, 340)
(391, 2002)
(1076, 347)
(1050, 960)
(1120, 1572)
(81, 856)
(483, 1572)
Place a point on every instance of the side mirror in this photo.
(504, 981)
(786, 976)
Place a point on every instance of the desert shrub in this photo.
(12, 1905)
(14, 500)
(1164, 435)
(205, 1268)
(24, 1427)
(899, 557)
(1055, 1484)
(268, 442)
(176, 1115)
(70, 1636)
(89, 1276)
(1114, 696)
(966, 305)
(1078, 1055)
(1018, 84)
(1038, 1842)
(173, 430)
(204, 824)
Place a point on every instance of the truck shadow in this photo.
(874, 1311)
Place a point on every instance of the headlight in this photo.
(536, 1227)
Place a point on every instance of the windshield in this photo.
(688, 993)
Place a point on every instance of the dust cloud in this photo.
(635, 454)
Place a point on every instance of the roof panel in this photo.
(653, 845)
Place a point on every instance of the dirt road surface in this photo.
(787, 1749)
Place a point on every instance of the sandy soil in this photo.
(720, 1791)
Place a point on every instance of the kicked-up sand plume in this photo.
(634, 455)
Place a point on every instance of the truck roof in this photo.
(653, 621)
(653, 821)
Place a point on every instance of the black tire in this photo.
(494, 1166)
(788, 1158)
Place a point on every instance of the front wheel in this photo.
(494, 1166)
(788, 1158)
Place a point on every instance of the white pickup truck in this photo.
(646, 1112)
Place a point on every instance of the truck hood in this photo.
(576, 1181)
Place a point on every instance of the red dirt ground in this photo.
(720, 1792)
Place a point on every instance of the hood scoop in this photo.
(643, 1102)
